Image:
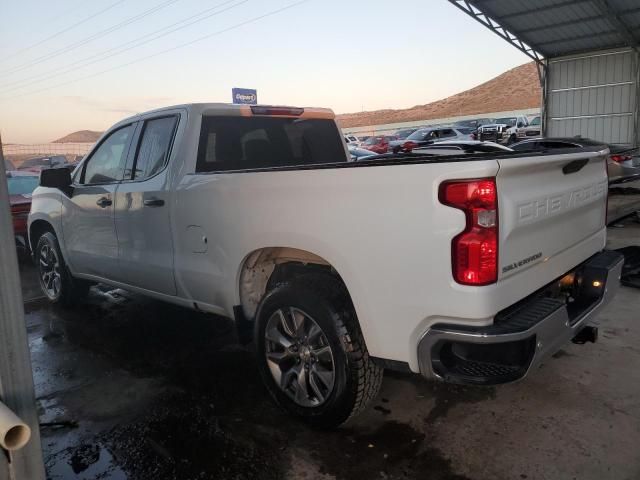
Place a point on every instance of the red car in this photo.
(21, 186)
(378, 143)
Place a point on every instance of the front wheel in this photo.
(56, 282)
(311, 352)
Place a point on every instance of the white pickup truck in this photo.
(468, 269)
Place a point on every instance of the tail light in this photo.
(620, 158)
(408, 146)
(474, 252)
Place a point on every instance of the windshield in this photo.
(535, 121)
(402, 134)
(23, 185)
(511, 121)
(372, 140)
(419, 134)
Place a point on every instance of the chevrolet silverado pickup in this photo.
(468, 268)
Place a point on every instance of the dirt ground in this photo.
(130, 388)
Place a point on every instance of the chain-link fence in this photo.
(47, 149)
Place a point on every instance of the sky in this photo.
(75, 65)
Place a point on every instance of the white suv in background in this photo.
(352, 140)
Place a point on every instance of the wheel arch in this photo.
(37, 228)
(265, 267)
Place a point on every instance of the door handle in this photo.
(153, 202)
(104, 202)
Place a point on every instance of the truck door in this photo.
(143, 224)
(87, 215)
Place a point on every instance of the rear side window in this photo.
(241, 143)
(154, 147)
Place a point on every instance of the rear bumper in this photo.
(523, 335)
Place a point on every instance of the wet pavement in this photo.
(131, 388)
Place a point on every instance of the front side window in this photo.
(237, 143)
(106, 165)
(154, 147)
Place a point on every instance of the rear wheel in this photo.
(311, 352)
(56, 282)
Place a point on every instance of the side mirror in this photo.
(59, 178)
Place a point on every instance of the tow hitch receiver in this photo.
(587, 334)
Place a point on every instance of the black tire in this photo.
(357, 378)
(512, 139)
(65, 290)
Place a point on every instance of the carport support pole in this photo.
(16, 379)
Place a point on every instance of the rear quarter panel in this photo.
(381, 227)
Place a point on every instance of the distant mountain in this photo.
(516, 89)
(83, 136)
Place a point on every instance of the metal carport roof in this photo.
(553, 28)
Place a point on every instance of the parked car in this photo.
(534, 129)
(457, 147)
(352, 140)
(378, 143)
(359, 153)
(473, 122)
(446, 147)
(8, 165)
(623, 167)
(40, 163)
(21, 185)
(338, 269)
(503, 130)
(428, 135)
(404, 132)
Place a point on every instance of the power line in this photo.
(199, 39)
(89, 39)
(64, 30)
(162, 32)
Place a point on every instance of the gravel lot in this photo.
(138, 389)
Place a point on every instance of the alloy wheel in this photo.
(49, 266)
(299, 357)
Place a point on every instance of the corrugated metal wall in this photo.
(593, 96)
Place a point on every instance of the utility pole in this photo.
(16, 378)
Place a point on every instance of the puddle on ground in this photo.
(84, 462)
(393, 450)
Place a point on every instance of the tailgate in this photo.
(549, 205)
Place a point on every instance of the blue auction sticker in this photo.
(246, 96)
